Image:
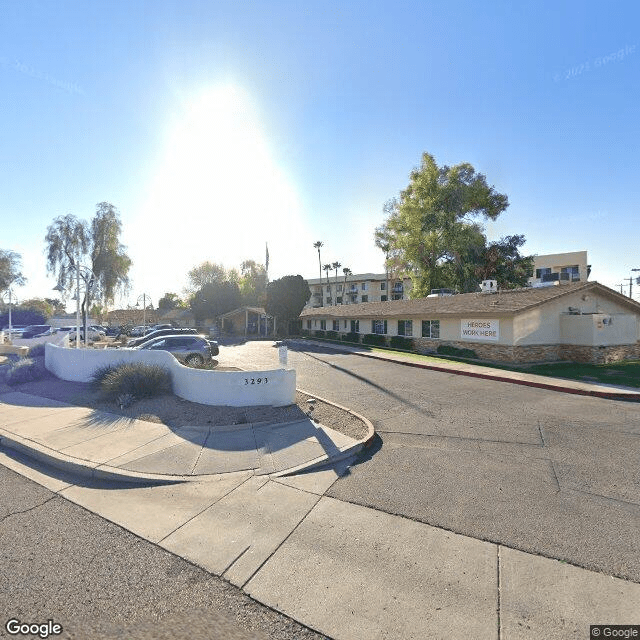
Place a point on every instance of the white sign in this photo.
(480, 329)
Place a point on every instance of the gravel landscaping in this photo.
(175, 412)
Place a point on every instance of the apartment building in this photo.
(559, 267)
(357, 288)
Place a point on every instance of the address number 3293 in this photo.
(248, 381)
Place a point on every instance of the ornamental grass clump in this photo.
(133, 379)
(36, 351)
(24, 370)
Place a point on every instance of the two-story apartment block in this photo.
(560, 267)
(357, 288)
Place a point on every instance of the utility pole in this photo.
(630, 285)
(630, 281)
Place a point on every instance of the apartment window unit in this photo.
(328, 299)
(396, 296)
(355, 326)
(365, 298)
(339, 288)
(405, 328)
(383, 298)
(383, 286)
(364, 286)
(339, 300)
(379, 326)
(323, 325)
(543, 272)
(344, 324)
(328, 288)
(431, 328)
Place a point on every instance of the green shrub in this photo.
(376, 339)
(402, 342)
(36, 351)
(305, 332)
(351, 337)
(102, 372)
(450, 350)
(320, 333)
(24, 370)
(137, 379)
(332, 334)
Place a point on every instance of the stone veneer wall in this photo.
(536, 352)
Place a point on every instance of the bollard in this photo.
(282, 354)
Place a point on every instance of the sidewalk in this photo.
(600, 390)
(103, 445)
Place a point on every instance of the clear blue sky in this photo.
(215, 127)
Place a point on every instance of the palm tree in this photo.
(327, 268)
(336, 266)
(347, 272)
(317, 245)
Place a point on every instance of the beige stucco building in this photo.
(562, 267)
(356, 289)
(580, 321)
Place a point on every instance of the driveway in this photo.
(539, 471)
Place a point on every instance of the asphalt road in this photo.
(61, 562)
(544, 472)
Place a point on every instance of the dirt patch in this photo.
(176, 412)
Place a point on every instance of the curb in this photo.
(608, 395)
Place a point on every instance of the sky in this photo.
(217, 128)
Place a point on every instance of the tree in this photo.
(317, 245)
(170, 301)
(214, 299)
(10, 274)
(347, 272)
(336, 266)
(37, 304)
(502, 261)
(206, 273)
(286, 298)
(253, 283)
(22, 317)
(432, 228)
(72, 244)
(326, 268)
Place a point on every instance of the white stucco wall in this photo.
(598, 329)
(277, 387)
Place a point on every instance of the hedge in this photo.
(449, 350)
(376, 339)
(401, 342)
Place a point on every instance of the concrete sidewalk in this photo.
(599, 390)
(104, 445)
(348, 571)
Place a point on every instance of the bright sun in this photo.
(219, 194)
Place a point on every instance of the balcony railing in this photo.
(560, 277)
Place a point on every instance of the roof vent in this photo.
(489, 286)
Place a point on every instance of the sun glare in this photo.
(219, 194)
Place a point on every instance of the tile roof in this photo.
(505, 302)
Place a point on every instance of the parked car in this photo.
(161, 332)
(92, 334)
(16, 332)
(188, 349)
(35, 330)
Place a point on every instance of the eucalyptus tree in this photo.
(90, 250)
(10, 273)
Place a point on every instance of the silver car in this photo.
(191, 350)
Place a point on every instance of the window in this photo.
(365, 298)
(383, 298)
(379, 326)
(405, 328)
(336, 325)
(308, 324)
(339, 300)
(328, 288)
(355, 326)
(542, 272)
(344, 324)
(323, 325)
(339, 288)
(364, 286)
(383, 286)
(328, 299)
(431, 328)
